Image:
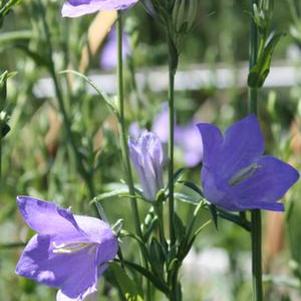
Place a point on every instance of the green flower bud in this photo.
(184, 14)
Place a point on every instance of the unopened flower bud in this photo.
(184, 14)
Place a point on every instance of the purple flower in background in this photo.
(236, 175)
(147, 156)
(187, 137)
(108, 57)
(161, 123)
(70, 252)
(77, 8)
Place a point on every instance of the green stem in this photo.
(171, 105)
(123, 135)
(255, 214)
(124, 144)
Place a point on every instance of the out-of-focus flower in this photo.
(161, 123)
(77, 8)
(187, 137)
(236, 175)
(108, 56)
(189, 141)
(70, 252)
(147, 156)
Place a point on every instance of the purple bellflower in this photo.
(187, 137)
(77, 8)
(146, 153)
(70, 252)
(108, 56)
(236, 176)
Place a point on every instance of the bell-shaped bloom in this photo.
(147, 156)
(236, 175)
(70, 252)
(77, 8)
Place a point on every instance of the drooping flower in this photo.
(236, 175)
(147, 156)
(77, 8)
(186, 137)
(70, 252)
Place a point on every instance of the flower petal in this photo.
(76, 9)
(46, 217)
(97, 230)
(74, 273)
(212, 140)
(268, 184)
(60, 296)
(243, 142)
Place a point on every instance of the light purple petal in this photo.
(76, 9)
(73, 273)
(96, 230)
(147, 156)
(212, 140)
(88, 293)
(268, 184)
(46, 217)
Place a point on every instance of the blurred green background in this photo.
(37, 160)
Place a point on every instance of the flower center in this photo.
(244, 174)
(69, 248)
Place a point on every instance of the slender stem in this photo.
(171, 105)
(123, 135)
(124, 144)
(255, 214)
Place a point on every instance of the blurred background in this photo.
(37, 43)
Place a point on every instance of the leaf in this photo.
(214, 215)
(150, 276)
(260, 71)
(157, 257)
(192, 186)
(36, 57)
(127, 285)
(101, 93)
(117, 193)
(179, 227)
(186, 198)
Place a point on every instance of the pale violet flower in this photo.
(147, 156)
(70, 252)
(77, 8)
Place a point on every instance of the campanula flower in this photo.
(186, 137)
(70, 252)
(147, 156)
(236, 175)
(77, 8)
(108, 57)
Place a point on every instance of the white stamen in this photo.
(69, 248)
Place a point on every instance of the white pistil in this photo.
(69, 248)
(244, 174)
